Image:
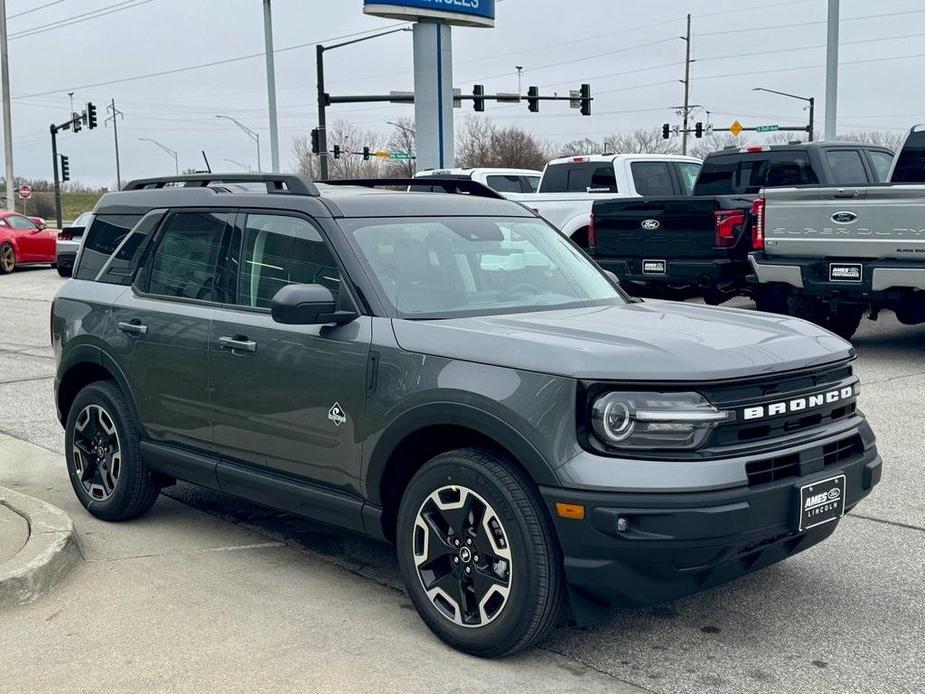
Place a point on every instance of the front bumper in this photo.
(880, 280)
(681, 543)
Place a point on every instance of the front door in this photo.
(290, 397)
(162, 328)
(35, 245)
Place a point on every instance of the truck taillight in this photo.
(728, 222)
(65, 236)
(592, 234)
(758, 224)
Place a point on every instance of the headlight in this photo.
(640, 421)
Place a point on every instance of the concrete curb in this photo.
(48, 554)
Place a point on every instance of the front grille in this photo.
(806, 462)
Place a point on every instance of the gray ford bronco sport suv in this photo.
(447, 372)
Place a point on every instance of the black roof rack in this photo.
(290, 184)
(462, 186)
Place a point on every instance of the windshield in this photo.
(456, 266)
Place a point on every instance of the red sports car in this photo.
(22, 242)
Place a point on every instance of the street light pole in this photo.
(251, 133)
(811, 100)
(271, 86)
(7, 110)
(831, 72)
(323, 96)
(171, 152)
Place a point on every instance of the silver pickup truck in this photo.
(833, 253)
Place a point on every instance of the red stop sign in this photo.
(25, 192)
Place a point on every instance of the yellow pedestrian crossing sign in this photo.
(736, 128)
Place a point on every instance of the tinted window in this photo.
(847, 166)
(279, 251)
(910, 162)
(101, 239)
(475, 265)
(687, 172)
(652, 178)
(881, 162)
(579, 177)
(532, 183)
(20, 223)
(184, 262)
(748, 173)
(504, 184)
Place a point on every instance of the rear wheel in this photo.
(63, 271)
(771, 299)
(477, 555)
(102, 445)
(7, 259)
(841, 319)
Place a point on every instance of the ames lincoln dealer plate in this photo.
(653, 267)
(846, 272)
(822, 502)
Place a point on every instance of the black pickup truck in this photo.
(698, 245)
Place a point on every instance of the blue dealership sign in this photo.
(479, 13)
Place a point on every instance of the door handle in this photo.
(237, 343)
(133, 327)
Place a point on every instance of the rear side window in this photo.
(531, 183)
(748, 173)
(652, 178)
(101, 239)
(847, 166)
(579, 177)
(910, 162)
(881, 162)
(184, 261)
(504, 184)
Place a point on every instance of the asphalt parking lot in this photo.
(846, 616)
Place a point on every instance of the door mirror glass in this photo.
(307, 304)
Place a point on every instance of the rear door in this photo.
(847, 167)
(161, 326)
(290, 397)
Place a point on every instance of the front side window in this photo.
(184, 261)
(21, 223)
(447, 267)
(847, 167)
(278, 251)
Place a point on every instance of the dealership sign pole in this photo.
(433, 67)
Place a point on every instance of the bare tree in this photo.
(881, 138)
(473, 143)
(712, 143)
(583, 146)
(641, 141)
(351, 164)
(402, 140)
(481, 143)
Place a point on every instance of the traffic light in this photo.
(586, 99)
(337, 151)
(366, 154)
(65, 168)
(698, 129)
(477, 103)
(76, 124)
(91, 115)
(533, 103)
(666, 131)
(316, 141)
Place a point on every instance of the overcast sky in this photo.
(629, 52)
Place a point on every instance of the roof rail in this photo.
(290, 184)
(459, 186)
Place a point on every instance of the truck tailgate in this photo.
(669, 227)
(877, 221)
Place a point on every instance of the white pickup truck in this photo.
(570, 185)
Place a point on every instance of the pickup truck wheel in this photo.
(477, 555)
(771, 300)
(103, 454)
(807, 308)
(843, 320)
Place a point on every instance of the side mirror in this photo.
(307, 304)
(612, 277)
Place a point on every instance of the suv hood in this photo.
(646, 341)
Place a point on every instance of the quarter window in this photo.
(881, 161)
(279, 251)
(184, 262)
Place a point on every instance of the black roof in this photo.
(369, 202)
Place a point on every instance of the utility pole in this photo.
(7, 110)
(687, 85)
(115, 133)
(831, 72)
(271, 86)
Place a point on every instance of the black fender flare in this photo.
(91, 354)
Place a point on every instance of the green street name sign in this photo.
(767, 128)
(401, 155)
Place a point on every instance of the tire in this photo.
(111, 487)
(807, 308)
(7, 259)
(771, 300)
(63, 271)
(844, 319)
(523, 554)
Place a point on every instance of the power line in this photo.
(803, 24)
(77, 19)
(34, 9)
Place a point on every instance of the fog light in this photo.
(622, 524)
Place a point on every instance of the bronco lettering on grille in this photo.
(808, 402)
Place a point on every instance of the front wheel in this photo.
(477, 554)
